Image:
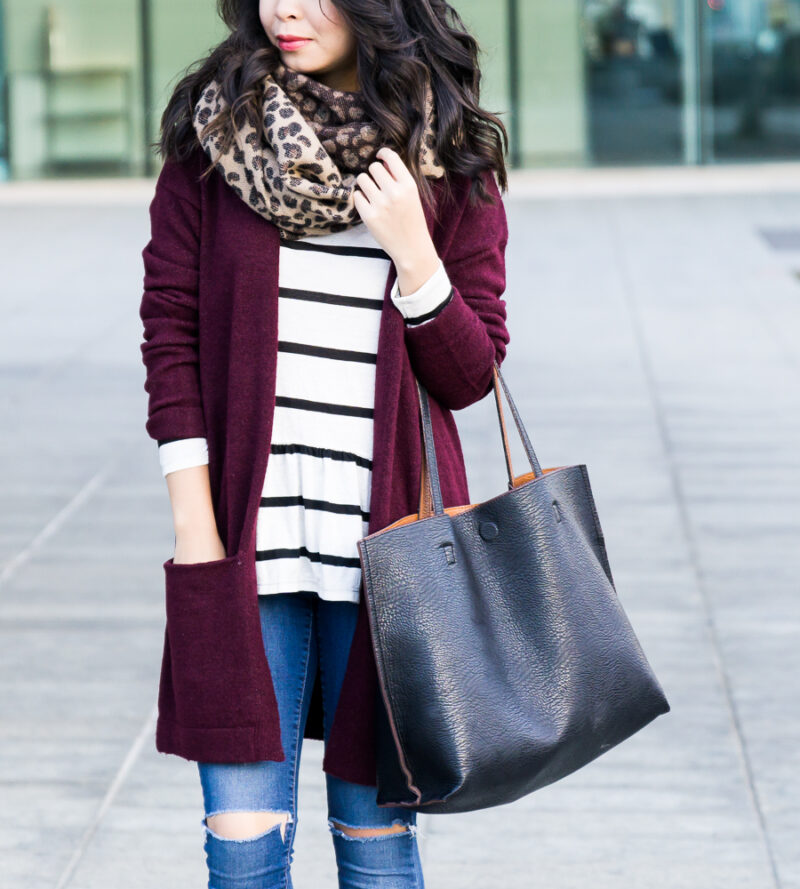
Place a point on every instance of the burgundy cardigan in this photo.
(209, 311)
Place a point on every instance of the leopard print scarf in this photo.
(318, 139)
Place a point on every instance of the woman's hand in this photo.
(196, 536)
(191, 548)
(390, 206)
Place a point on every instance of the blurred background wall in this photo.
(579, 82)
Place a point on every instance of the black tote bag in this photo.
(505, 659)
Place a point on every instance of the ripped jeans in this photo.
(301, 633)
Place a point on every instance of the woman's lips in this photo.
(292, 43)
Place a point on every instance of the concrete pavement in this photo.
(655, 336)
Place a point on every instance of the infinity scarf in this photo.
(317, 140)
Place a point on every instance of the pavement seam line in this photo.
(685, 523)
(57, 521)
(144, 735)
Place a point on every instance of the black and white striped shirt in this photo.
(316, 494)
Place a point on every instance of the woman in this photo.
(326, 227)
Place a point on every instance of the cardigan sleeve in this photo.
(169, 309)
(453, 354)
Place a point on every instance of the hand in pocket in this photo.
(194, 548)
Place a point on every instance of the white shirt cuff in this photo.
(182, 454)
(425, 299)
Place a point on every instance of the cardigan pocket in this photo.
(216, 676)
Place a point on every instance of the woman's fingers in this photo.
(368, 186)
(361, 204)
(387, 199)
(394, 162)
(380, 173)
(375, 180)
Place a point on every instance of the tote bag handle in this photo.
(430, 493)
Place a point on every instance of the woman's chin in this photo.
(293, 63)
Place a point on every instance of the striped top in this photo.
(315, 498)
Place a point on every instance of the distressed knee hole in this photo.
(352, 832)
(242, 826)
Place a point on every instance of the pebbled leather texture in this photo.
(505, 658)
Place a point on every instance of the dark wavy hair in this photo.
(401, 45)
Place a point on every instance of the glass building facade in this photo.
(578, 82)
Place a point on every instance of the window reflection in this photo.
(753, 84)
(634, 80)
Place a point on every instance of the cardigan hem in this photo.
(229, 744)
(355, 773)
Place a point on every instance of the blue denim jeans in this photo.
(302, 633)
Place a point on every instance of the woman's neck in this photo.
(341, 78)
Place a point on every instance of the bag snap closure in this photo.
(488, 530)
